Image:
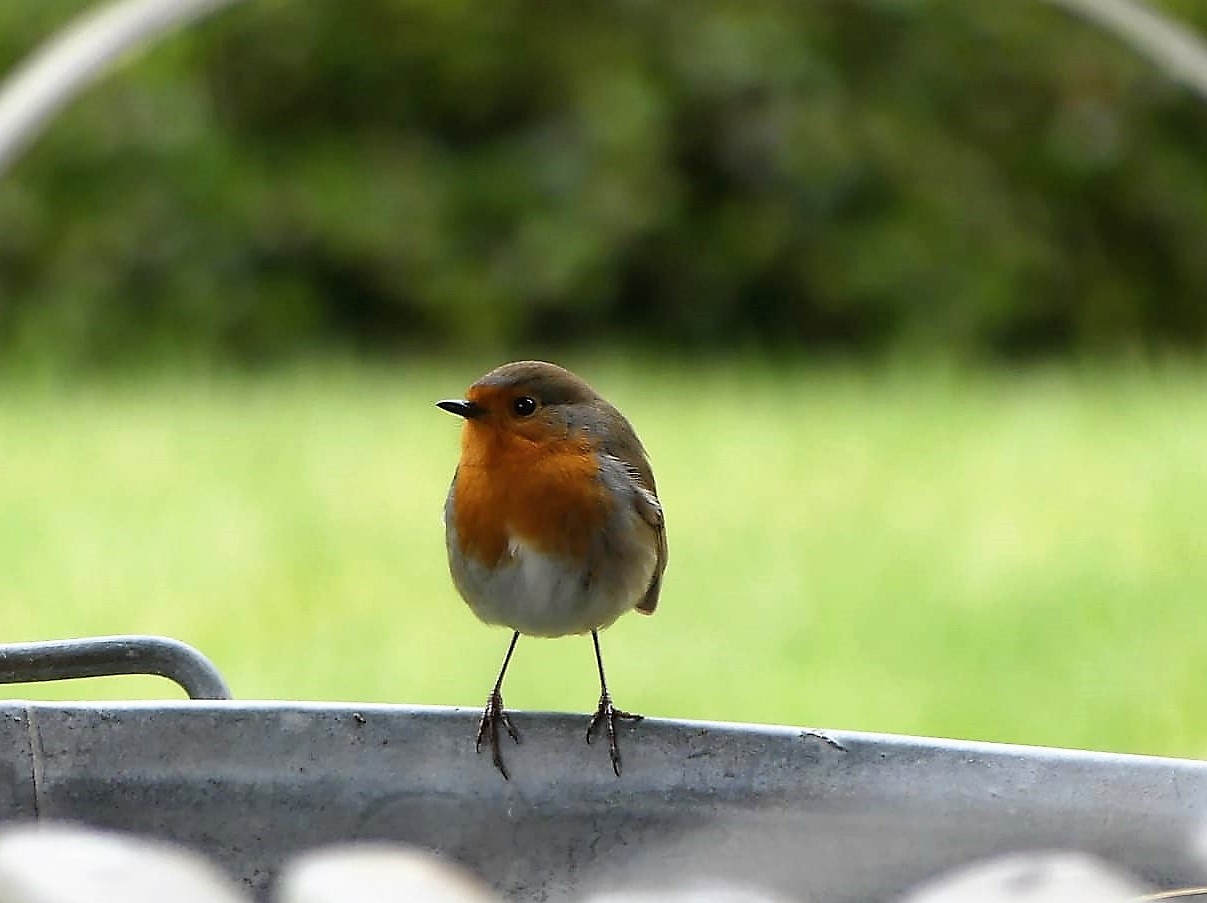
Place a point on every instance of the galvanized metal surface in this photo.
(251, 783)
(105, 656)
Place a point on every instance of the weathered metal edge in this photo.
(573, 723)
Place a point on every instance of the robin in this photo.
(552, 522)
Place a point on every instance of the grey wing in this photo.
(651, 512)
(632, 455)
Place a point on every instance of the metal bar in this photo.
(108, 656)
(1169, 44)
(78, 55)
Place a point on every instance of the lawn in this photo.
(1013, 556)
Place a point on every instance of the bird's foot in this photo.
(488, 729)
(606, 715)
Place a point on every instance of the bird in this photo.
(552, 523)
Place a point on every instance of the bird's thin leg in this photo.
(607, 713)
(494, 715)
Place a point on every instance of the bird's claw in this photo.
(606, 715)
(488, 728)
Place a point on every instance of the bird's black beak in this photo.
(466, 409)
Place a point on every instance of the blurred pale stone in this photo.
(377, 874)
(1032, 878)
(68, 864)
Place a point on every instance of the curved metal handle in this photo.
(107, 656)
(77, 55)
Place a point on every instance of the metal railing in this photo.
(109, 656)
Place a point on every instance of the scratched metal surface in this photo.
(251, 783)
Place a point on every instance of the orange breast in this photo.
(547, 494)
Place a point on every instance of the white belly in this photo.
(538, 595)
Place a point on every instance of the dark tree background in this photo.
(990, 179)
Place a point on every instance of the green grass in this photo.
(1017, 557)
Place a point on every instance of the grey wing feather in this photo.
(651, 510)
(630, 451)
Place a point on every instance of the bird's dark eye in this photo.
(524, 406)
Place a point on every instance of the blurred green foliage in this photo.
(984, 178)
